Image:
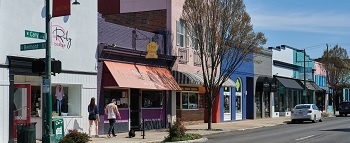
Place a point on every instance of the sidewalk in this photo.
(156, 136)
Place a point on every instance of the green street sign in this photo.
(33, 46)
(33, 34)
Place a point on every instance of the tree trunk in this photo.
(210, 119)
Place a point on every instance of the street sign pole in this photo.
(48, 136)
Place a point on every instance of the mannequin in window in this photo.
(59, 96)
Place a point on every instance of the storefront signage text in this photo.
(60, 37)
(189, 88)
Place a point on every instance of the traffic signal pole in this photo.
(48, 136)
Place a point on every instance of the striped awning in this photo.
(183, 77)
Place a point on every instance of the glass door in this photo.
(267, 104)
(227, 104)
(21, 104)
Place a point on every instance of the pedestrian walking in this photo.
(93, 115)
(112, 111)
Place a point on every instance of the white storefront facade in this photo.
(73, 42)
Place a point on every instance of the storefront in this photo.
(264, 90)
(20, 88)
(190, 101)
(67, 91)
(314, 94)
(238, 103)
(289, 93)
(235, 100)
(264, 85)
(144, 91)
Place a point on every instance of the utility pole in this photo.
(48, 136)
(305, 90)
(327, 79)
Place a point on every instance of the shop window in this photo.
(201, 101)
(238, 104)
(152, 99)
(36, 101)
(66, 99)
(190, 100)
(180, 33)
(120, 95)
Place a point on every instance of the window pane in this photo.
(120, 95)
(196, 44)
(152, 99)
(177, 33)
(181, 40)
(201, 101)
(184, 100)
(238, 104)
(193, 101)
(181, 27)
(302, 107)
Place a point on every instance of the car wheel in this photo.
(346, 114)
(293, 121)
(314, 120)
(321, 119)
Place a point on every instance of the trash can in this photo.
(58, 128)
(26, 132)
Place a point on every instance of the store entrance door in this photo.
(21, 105)
(135, 109)
(258, 102)
(267, 104)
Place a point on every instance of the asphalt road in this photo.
(331, 130)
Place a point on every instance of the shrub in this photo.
(177, 132)
(325, 114)
(74, 136)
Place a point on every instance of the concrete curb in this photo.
(189, 141)
(235, 130)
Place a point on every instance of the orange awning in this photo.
(144, 77)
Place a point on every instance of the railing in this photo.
(183, 55)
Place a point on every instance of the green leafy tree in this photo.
(336, 61)
(222, 31)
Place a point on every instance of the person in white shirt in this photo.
(112, 111)
(59, 97)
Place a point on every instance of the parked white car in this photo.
(306, 112)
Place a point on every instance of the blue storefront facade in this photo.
(238, 103)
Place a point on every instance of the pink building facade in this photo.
(321, 80)
(164, 17)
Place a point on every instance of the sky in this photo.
(302, 24)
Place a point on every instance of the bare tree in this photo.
(224, 35)
(338, 66)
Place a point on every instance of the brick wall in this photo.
(190, 115)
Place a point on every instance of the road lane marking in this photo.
(304, 137)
